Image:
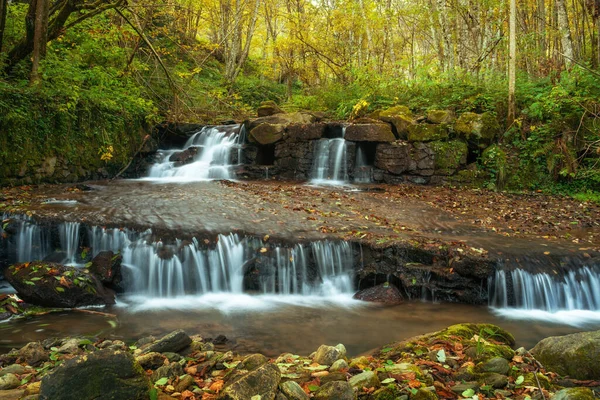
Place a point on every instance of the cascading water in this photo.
(363, 172)
(330, 163)
(69, 241)
(32, 242)
(209, 155)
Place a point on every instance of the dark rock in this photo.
(574, 355)
(173, 342)
(497, 381)
(498, 365)
(107, 267)
(219, 340)
(369, 133)
(168, 371)
(36, 283)
(33, 354)
(335, 390)
(151, 360)
(333, 376)
(304, 132)
(175, 135)
(461, 387)
(104, 374)
(268, 108)
(393, 157)
(184, 157)
(293, 391)
(262, 381)
(385, 293)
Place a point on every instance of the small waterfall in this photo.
(363, 172)
(576, 290)
(69, 241)
(32, 242)
(330, 163)
(205, 156)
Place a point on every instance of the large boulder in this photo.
(107, 267)
(55, 285)
(574, 355)
(479, 130)
(104, 374)
(440, 116)
(427, 133)
(252, 377)
(449, 156)
(369, 133)
(268, 108)
(304, 132)
(267, 133)
(281, 119)
(186, 156)
(400, 117)
(385, 293)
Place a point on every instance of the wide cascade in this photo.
(330, 162)
(206, 155)
(234, 264)
(577, 289)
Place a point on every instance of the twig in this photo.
(538, 383)
(95, 313)
(132, 158)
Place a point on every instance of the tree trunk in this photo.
(40, 37)
(565, 32)
(512, 56)
(3, 12)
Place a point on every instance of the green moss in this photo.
(574, 394)
(424, 394)
(396, 111)
(390, 392)
(440, 116)
(486, 331)
(478, 129)
(449, 155)
(427, 132)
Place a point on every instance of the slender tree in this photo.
(3, 12)
(512, 61)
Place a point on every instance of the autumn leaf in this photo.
(64, 282)
(217, 386)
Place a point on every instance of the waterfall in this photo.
(330, 162)
(577, 290)
(363, 172)
(205, 156)
(32, 242)
(69, 241)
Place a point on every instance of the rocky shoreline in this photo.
(462, 361)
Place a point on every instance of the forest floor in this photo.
(478, 220)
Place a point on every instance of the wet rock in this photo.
(479, 130)
(173, 342)
(335, 391)
(369, 133)
(574, 355)
(184, 157)
(104, 374)
(151, 360)
(168, 371)
(70, 346)
(172, 357)
(144, 341)
(498, 365)
(36, 283)
(16, 369)
(385, 293)
(461, 387)
(268, 108)
(32, 354)
(9, 381)
(427, 133)
(574, 394)
(366, 379)
(440, 116)
(184, 383)
(293, 391)
(338, 366)
(400, 117)
(262, 381)
(253, 361)
(327, 355)
(107, 267)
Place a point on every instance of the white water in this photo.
(363, 172)
(330, 162)
(69, 241)
(573, 299)
(213, 146)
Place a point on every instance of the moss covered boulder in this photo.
(479, 130)
(574, 394)
(266, 133)
(427, 132)
(55, 285)
(440, 116)
(268, 108)
(400, 117)
(253, 377)
(104, 374)
(377, 132)
(281, 119)
(449, 156)
(574, 355)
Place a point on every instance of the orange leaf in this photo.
(414, 384)
(217, 386)
(187, 395)
(64, 282)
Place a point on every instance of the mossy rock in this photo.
(479, 130)
(427, 132)
(574, 394)
(400, 117)
(267, 133)
(486, 331)
(268, 108)
(440, 116)
(424, 394)
(449, 156)
(390, 392)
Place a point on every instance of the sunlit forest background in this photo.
(112, 69)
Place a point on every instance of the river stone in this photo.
(574, 394)
(262, 381)
(385, 293)
(327, 355)
(33, 354)
(333, 376)
(293, 391)
(498, 365)
(9, 381)
(151, 360)
(107, 267)
(104, 374)
(461, 387)
(366, 379)
(369, 133)
(184, 383)
(63, 293)
(167, 371)
(335, 391)
(338, 366)
(497, 381)
(575, 355)
(253, 361)
(16, 369)
(171, 343)
(70, 346)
